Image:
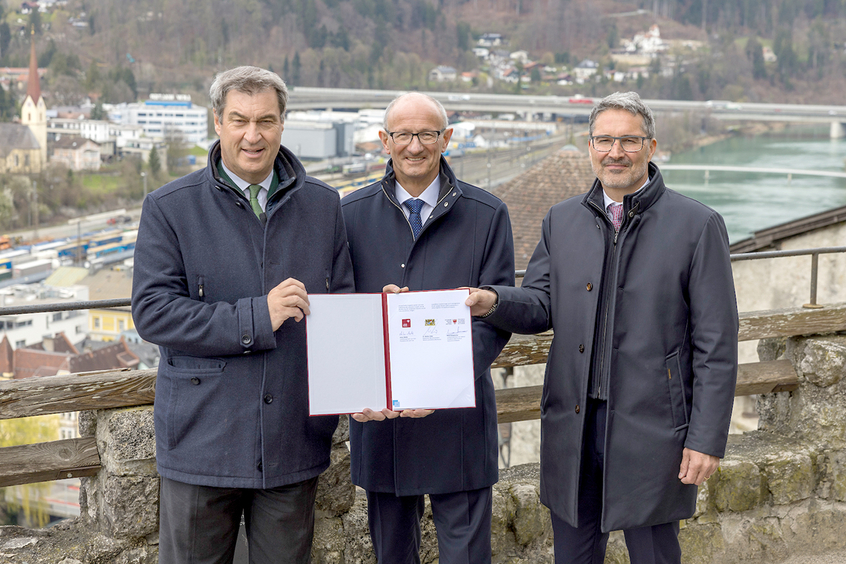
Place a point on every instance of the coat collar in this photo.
(633, 204)
(288, 169)
(448, 181)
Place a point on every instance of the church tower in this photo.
(33, 110)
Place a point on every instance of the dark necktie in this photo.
(414, 206)
(616, 211)
(254, 203)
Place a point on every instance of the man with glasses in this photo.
(636, 282)
(420, 228)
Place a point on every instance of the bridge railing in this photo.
(71, 458)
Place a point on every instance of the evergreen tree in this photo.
(154, 162)
(296, 67)
(755, 52)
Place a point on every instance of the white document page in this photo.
(346, 353)
(431, 350)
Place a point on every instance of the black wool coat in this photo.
(672, 355)
(465, 242)
(231, 405)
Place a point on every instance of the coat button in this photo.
(246, 339)
(259, 466)
(268, 398)
(577, 409)
(589, 286)
(195, 381)
(581, 348)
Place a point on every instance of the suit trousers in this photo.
(586, 543)
(462, 521)
(199, 524)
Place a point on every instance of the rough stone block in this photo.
(759, 540)
(832, 475)
(502, 515)
(789, 476)
(702, 543)
(130, 506)
(737, 487)
(823, 362)
(531, 519)
(359, 548)
(126, 440)
(817, 529)
(335, 491)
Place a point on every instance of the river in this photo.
(754, 201)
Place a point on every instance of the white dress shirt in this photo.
(429, 197)
(244, 186)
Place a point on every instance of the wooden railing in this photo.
(72, 458)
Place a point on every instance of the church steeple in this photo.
(33, 109)
(33, 86)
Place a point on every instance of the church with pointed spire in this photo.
(33, 109)
(23, 146)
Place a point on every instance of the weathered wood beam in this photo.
(76, 392)
(765, 378)
(523, 404)
(789, 322)
(42, 462)
(532, 349)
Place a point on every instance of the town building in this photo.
(76, 153)
(166, 115)
(24, 329)
(442, 74)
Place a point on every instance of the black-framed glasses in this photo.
(629, 143)
(405, 137)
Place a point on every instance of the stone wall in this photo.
(780, 491)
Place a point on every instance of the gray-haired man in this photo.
(224, 261)
(636, 281)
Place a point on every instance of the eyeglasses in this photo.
(405, 137)
(629, 143)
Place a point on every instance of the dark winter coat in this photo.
(465, 242)
(231, 406)
(672, 359)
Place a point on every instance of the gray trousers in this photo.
(199, 524)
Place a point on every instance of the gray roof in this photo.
(16, 136)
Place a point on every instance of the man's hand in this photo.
(288, 299)
(394, 289)
(697, 467)
(480, 301)
(370, 415)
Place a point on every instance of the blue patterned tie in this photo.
(414, 206)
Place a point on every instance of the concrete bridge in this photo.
(304, 98)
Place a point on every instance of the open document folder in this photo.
(401, 351)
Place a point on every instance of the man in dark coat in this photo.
(421, 229)
(224, 260)
(636, 281)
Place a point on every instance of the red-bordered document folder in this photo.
(412, 350)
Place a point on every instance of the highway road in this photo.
(303, 98)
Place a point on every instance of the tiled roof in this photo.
(33, 362)
(562, 175)
(109, 284)
(117, 355)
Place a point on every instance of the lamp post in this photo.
(144, 178)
